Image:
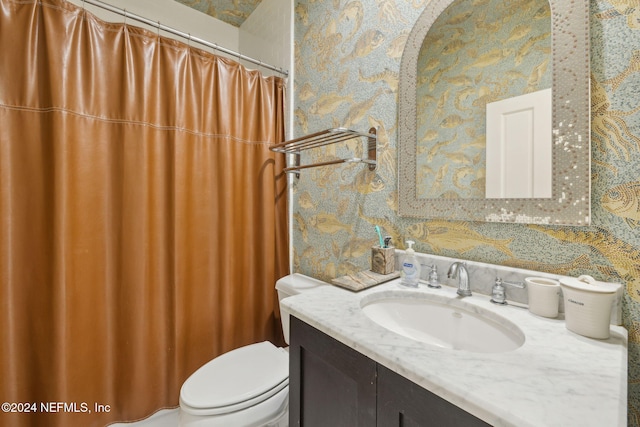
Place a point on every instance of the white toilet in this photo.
(248, 386)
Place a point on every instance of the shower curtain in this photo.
(142, 215)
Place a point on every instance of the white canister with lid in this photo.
(587, 305)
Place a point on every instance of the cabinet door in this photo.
(330, 384)
(404, 403)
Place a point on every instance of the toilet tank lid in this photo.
(295, 283)
(236, 376)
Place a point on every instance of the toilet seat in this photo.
(236, 380)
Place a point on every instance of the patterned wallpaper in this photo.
(347, 58)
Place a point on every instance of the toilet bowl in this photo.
(248, 386)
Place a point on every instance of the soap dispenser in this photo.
(410, 275)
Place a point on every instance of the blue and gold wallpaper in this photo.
(347, 61)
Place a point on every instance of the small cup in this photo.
(544, 296)
(383, 260)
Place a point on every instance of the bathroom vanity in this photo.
(346, 368)
(332, 384)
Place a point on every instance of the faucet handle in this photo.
(433, 278)
(498, 292)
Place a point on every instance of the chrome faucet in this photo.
(464, 290)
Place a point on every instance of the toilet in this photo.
(248, 386)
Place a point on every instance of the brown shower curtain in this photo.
(142, 215)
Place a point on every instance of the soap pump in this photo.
(410, 275)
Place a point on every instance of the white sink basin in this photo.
(443, 322)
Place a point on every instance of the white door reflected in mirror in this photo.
(519, 147)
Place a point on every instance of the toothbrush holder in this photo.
(383, 260)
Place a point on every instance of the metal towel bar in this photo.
(328, 137)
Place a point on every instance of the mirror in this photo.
(435, 117)
(501, 51)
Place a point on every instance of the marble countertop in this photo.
(556, 378)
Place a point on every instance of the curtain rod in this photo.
(159, 26)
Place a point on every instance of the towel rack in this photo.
(328, 137)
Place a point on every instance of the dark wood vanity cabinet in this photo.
(333, 385)
(329, 383)
(402, 402)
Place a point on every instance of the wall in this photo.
(347, 58)
(267, 34)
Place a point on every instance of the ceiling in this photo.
(233, 12)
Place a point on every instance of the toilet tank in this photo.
(290, 285)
